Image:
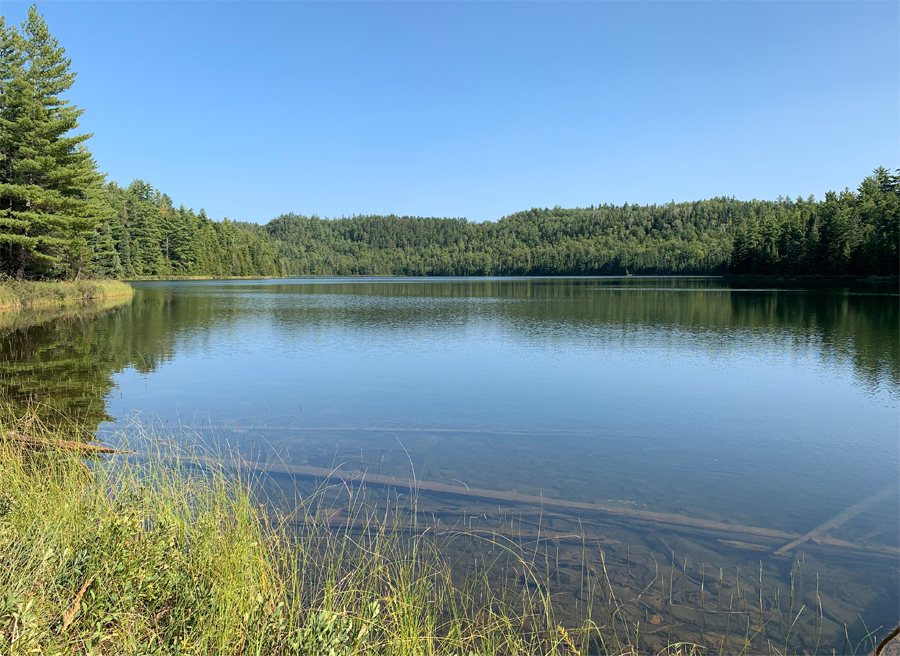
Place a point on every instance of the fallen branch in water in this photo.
(884, 643)
(514, 497)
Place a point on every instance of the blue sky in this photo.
(252, 109)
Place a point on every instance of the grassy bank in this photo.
(43, 295)
(19, 318)
(173, 278)
(147, 555)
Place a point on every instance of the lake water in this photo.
(773, 408)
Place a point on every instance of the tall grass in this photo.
(34, 295)
(154, 554)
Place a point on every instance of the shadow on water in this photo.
(59, 362)
(858, 325)
(70, 356)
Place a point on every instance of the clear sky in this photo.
(252, 109)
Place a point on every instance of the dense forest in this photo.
(847, 233)
(59, 219)
(147, 236)
(856, 233)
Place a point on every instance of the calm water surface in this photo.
(773, 408)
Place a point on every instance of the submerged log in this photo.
(41, 443)
(818, 533)
(744, 546)
(517, 498)
(676, 521)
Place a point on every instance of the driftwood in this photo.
(336, 521)
(818, 533)
(744, 546)
(516, 498)
(673, 520)
(65, 445)
(392, 429)
(884, 643)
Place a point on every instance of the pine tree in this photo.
(840, 222)
(51, 198)
(879, 206)
(105, 261)
(10, 63)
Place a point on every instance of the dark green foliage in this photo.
(152, 238)
(105, 260)
(848, 233)
(55, 219)
(50, 190)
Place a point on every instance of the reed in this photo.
(41, 295)
(154, 554)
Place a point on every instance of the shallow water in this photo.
(769, 408)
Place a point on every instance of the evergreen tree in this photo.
(879, 201)
(105, 261)
(51, 197)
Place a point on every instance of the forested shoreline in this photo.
(60, 220)
(850, 233)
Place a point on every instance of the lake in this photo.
(710, 419)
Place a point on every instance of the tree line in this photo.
(59, 219)
(853, 232)
(148, 236)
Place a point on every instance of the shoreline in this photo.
(725, 276)
(173, 278)
(19, 318)
(17, 296)
(238, 567)
(812, 277)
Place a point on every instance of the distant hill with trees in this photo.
(59, 219)
(852, 232)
